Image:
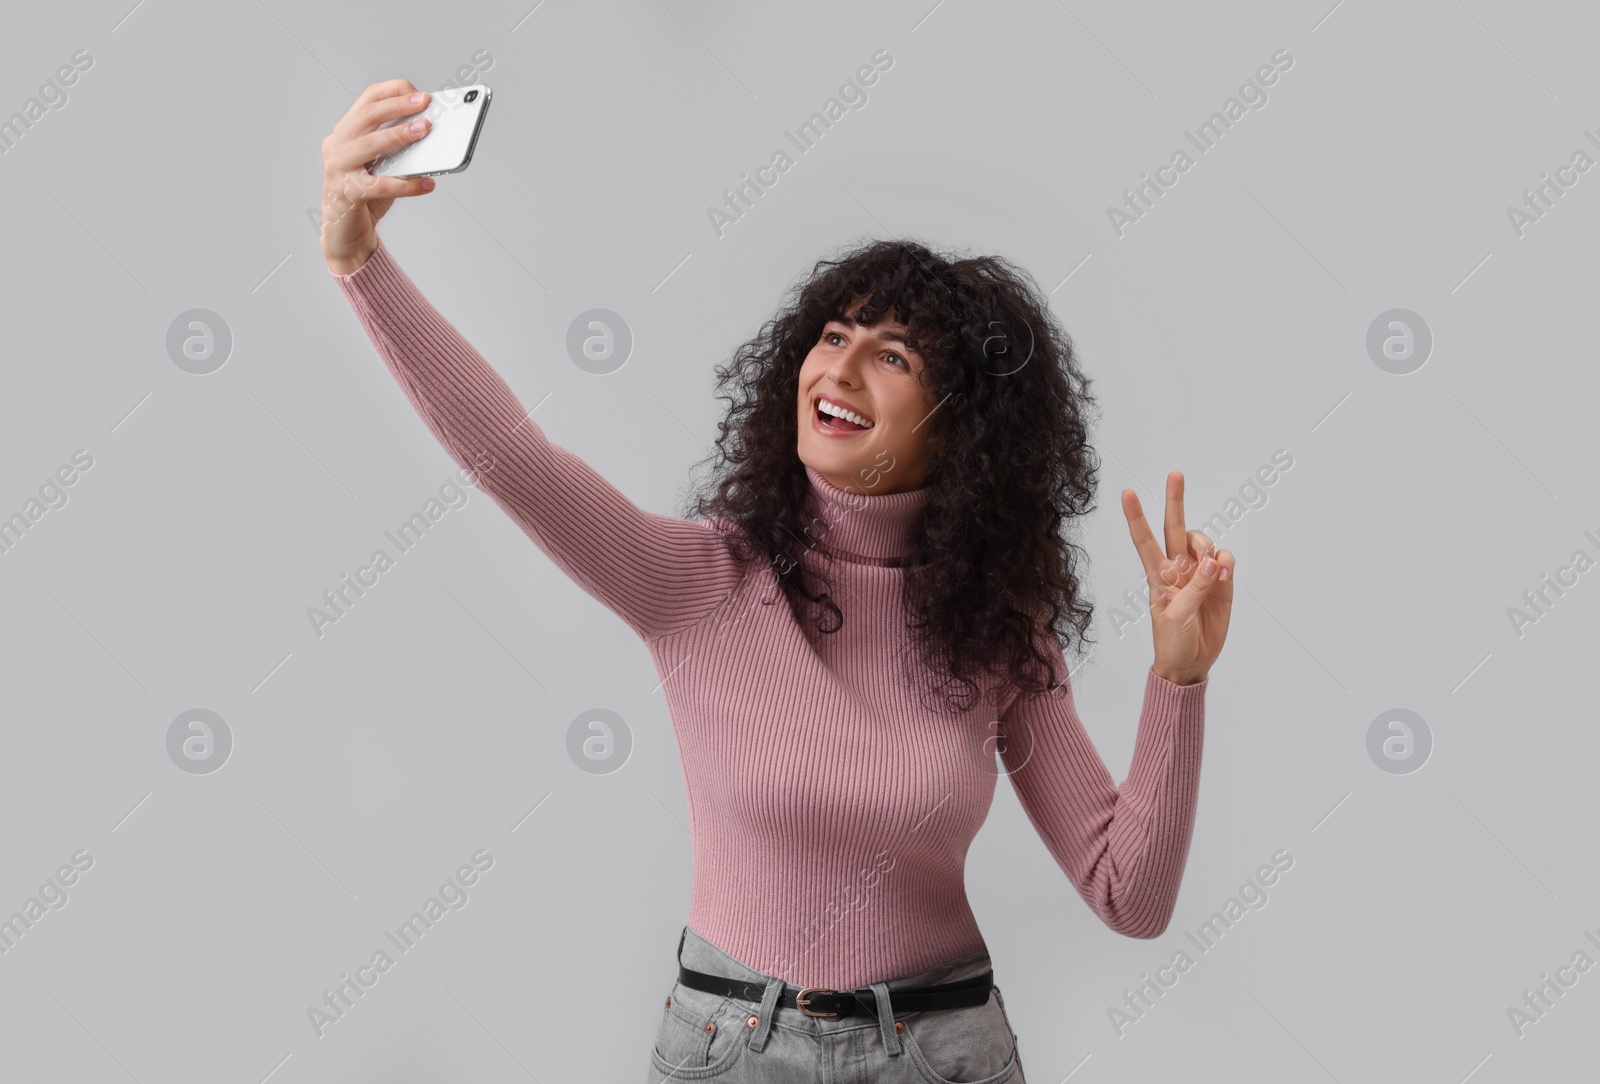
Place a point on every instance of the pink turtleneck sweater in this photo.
(830, 811)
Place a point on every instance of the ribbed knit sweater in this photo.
(830, 810)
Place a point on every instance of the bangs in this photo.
(894, 302)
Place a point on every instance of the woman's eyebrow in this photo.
(882, 333)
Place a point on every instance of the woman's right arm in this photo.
(658, 573)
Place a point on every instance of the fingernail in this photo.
(414, 126)
(1208, 567)
(1225, 574)
(416, 99)
(427, 184)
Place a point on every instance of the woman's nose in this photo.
(847, 367)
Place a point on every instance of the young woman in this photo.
(869, 611)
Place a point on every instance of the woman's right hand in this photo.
(352, 198)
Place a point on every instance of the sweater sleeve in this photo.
(659, 573)
(1124, 848)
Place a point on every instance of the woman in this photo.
(868, 612)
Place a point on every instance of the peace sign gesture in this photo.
(1191, 589)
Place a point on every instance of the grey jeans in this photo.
(711, 1037)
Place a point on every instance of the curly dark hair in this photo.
(1010, 460)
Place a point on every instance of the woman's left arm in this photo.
(1123, 848)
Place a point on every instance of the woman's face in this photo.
(873, 373)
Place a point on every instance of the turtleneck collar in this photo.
(861, 526)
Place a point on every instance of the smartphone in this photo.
(456, 115)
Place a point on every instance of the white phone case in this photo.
(448, 146)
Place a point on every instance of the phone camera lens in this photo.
(472, 95)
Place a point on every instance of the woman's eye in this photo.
(829, 338)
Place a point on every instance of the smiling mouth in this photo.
(835, 421)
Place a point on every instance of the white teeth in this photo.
(840, 412)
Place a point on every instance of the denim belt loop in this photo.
(769, 1012)
(891, 1038)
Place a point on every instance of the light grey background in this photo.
(371, 762)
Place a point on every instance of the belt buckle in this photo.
(801, 1000)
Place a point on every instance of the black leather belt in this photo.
(817, 1001)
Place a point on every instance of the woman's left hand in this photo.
(1191, 589)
